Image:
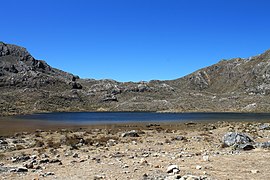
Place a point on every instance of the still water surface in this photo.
(88, 118)
(50, 121)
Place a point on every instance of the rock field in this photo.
(187, 151)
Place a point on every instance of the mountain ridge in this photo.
(28, 85)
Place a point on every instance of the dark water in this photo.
(88, 118)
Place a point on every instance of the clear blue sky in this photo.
(133, 40)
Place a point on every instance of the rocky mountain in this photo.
(28, 85)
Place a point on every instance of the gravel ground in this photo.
(136, 151)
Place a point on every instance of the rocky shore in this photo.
(220, 150)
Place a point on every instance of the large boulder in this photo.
(234, 138)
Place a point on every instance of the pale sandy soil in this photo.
(143, 157)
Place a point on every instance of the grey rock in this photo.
(264, 127)
(20, 158)
(3, 142)
(173, 177)
(6, 169)
(179, 138)
(75, 155)
(44, 161)
(97, 177)
(21, 169)
(190, 177)
(233, 138)
(132, 133)
(109, 97)
(55, 161)
(254, 171)
(75, 85)
(47, 174)
(173, 169)
(245, 147)
(263, 145)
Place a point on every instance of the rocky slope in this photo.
(28, 85)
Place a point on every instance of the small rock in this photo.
(143, 162)
(48, 174)
(178, 138)
(3, 142)
(264, 127)
(21, 169)
(55, 161)
(43, 156)
(20, 158)
(132, 133)
(190, 177)
(173, 169)
(111, 142)
(97, 177)
(125, 166)
(198, 167)
(75, 155)
(206, 158)
(245, 147)
(177, 176)
(263, 145)
(6, 169)
(33, 157)
(29, 165)
(44, 161)
(254, 171)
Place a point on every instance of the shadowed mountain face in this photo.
(28, 85)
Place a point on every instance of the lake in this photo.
(50, 121)
(88, 118)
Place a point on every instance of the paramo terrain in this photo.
(28, 85)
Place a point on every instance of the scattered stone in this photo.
(20, 158)
(33, 157)
(190, 177)
(198, 167)
(178, 138)
(255, 171)
(111, 142)
(233, 138)
(29, 165)
(44, 156)
(75, 155)
(263, 145)
(97, 177)
(21, 169)
(173, 169)
(55, 161)
(152, 125)
(6, 169)
(245, 147)
(143, 162)
(206, 158)
(264, 127)
(44, 161)
(173, 177)
(47, 174)
(3, 142)
(132, 133)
